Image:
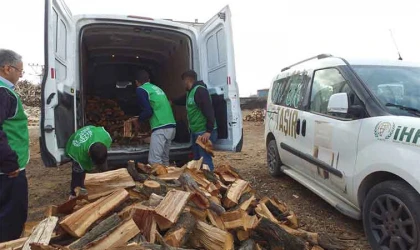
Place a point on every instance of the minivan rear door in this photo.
(58, 86)
(217, 68)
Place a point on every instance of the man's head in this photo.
(142, 77)
(99, 154)
(11, 66)
(189, 77)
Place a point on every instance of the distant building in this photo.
(262, 92)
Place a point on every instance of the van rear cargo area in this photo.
(110, 57)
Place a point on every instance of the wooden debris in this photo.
(235, 192)
(215, 220)
(144, 168)
(181, 232)
(159, 169)
(170, 208)
(42, 233)
(120, 236)
(234, 220)
(208, 146)
(213, 238)
(101, 184)
(92, 212)
(195, 164)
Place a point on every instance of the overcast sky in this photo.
(268, 35)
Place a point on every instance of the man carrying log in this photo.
(200, 114)
(88, 148)
(156, 109)
(14, 149)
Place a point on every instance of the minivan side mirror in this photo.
(338, 103)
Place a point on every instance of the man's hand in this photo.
(205, 137)
(13, 174)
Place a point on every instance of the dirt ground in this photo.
(51, 186)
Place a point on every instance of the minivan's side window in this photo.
(279, 90)
(327, 82)
(295, 91)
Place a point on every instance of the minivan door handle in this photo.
(304, 128)
(298, 127)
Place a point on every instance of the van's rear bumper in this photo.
(121, 159)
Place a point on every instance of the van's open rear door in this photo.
(217, 69)
(58, 85)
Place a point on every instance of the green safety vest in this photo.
(162, 111)
(16, 130)
(196, 119)
(79, 143)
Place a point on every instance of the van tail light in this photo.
(52, 73)
(228, 80)
(141, 17)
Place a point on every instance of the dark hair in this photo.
(142, 76)
(98, 152)
(190, 74)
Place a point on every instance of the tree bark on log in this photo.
(277, 237)
(150, 187)
(104, 226)
(132, 170)
(42, 233)
(170, 208)
(248, 245)
(179, 234)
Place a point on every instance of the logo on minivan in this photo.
(384, 130)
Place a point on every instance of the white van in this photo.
(349, 130)
(94, 55)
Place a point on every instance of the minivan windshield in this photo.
(397, 87)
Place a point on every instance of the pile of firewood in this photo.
(144, 207)
(29, 93)
(257, 115)
(108, 114)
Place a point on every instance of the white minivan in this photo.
(349, 130)
(97, 55)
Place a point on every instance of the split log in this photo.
(171, 207)
(213, 238)
(102, 184)
(292, 220)
(199, 214)
(250, 222)
(144, 217)
(195, 164)
(190, 185)
(42, 233)
(159, 169)
(264, 212)
(68, 206)
(235, 192)
(215, 220)
(322, 240)
(120, 236)
(248, 245)
(29, 228)
(227, 173)
(210, 176)
(131, 167)
(179, 234)
(242, 235)
(277, 237)
(154, 200)
(93, 212)
(172, 175)
(208, 146)
(51, 211)
(14, 244)
(104, 226)
(274, 209)
(145, 168)
(150, 187)
(234, 220)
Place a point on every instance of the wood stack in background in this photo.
(182, 208)
(257, 115)
(108, 114)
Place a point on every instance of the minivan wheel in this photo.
(391, 216)
(273, 159)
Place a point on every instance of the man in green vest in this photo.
(155, 108)
(88, 148)
(200, 114)
(14, 149)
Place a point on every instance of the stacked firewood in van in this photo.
(257, 115)
(157, 207)
(108, 114)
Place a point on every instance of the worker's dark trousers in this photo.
(13, 206)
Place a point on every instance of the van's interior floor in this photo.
(111, 55)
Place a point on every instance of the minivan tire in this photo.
(391, 215)
(273, 159)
